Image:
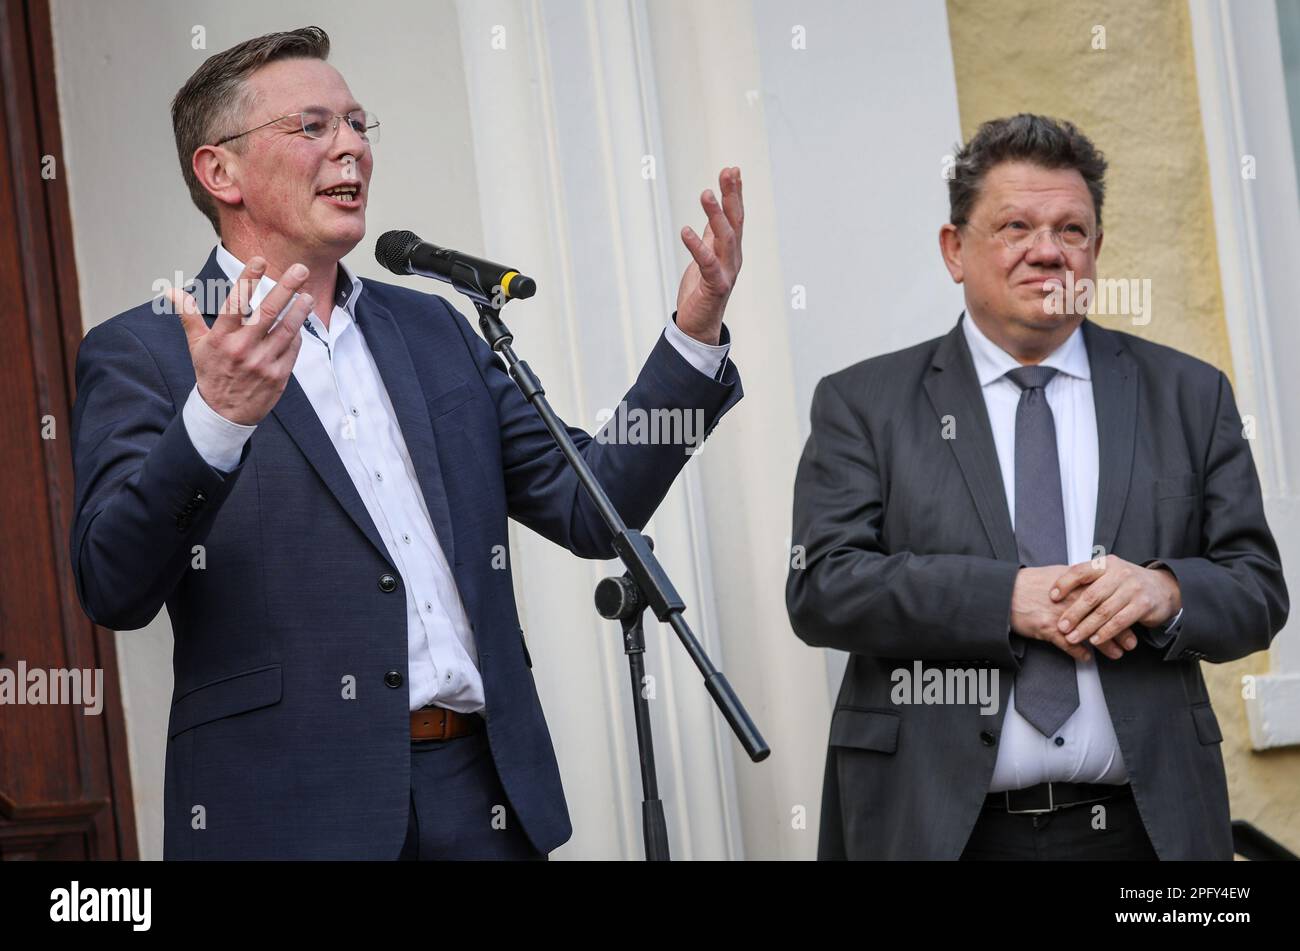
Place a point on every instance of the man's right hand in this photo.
(1034, 614)
(242, 365)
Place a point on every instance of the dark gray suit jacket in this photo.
(910, 554)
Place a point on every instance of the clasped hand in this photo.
(1096, 601)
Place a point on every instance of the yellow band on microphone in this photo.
(506, 279)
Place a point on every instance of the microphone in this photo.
(487, 282)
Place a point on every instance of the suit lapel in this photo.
(295, 413)
(298, 417)
(1115, 396)
(397, 372)
(954, 390)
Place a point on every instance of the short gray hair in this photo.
(215, 96)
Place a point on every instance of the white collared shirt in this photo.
(1089, 752)
(338, 374)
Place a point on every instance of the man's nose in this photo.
(348, 141)
(1045, 249)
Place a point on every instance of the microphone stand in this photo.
(644, 585)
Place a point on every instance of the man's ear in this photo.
(950, 248)
(213, 168)
(1096, 251)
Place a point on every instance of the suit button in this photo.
(987, 738)
(393, 679)
(387, 583)
(183, 523)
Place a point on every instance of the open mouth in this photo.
(343, 196)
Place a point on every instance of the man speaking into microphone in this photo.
(313, 474)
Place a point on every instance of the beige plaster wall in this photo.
(1124, 73)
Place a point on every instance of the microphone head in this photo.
(393, 250)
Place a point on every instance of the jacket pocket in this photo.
(450, 399)
(1207, 724)
(865, 729)
(238, 693)
(1179, 486)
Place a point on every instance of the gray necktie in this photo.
(1046, 689)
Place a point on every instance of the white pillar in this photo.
(562, 101)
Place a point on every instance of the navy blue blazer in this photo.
(265, 758)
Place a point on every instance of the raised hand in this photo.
(708, 281)
(242, 363)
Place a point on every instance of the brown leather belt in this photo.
(439, 723)
(1049, 797)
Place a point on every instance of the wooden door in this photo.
(65, 789)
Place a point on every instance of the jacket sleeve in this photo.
(845, 591)
(542, 491)
(144, 495)
(1234, 595)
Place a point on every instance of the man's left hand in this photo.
(1118, 595)
(707, 283)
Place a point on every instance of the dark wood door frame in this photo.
(65, 782)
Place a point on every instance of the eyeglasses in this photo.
(1017, 236)
(318, 123)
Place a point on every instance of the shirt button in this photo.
(406, 538)
(355, 411)
(379, 476)
(428, 607)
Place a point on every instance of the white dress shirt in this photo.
(338, 374)
(1088, 751)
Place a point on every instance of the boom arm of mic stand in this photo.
(630, 545)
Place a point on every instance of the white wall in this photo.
(1257, 226)
(534, 153)
(860, 123)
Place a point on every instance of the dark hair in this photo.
(1047, 142)
(213, 98)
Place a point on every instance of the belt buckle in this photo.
(1051, 805)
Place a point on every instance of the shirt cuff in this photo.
(218, 440)
(708, 359)
(1173, 622)
(1166, 635)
